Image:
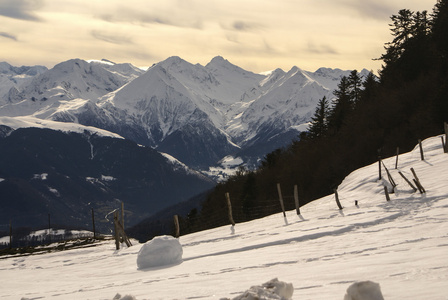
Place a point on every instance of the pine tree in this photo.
(370, 86)
(319, 122)
(355, 83)
(342, 106)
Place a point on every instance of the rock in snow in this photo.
(160, 251)
(271, 290)
(364, 290)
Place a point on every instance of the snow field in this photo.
(401, 244)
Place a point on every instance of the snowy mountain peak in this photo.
(175, 105)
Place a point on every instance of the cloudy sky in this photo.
(258, 35)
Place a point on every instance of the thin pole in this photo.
(93, 224)
(421, 149)
(281, 199)
(296, 199)
(396, 160)
(10, 234)
(379, 167)
(122, 214)
(176, 225)
(337, 198)
(446, 137)
(229, 207)
(386, 192)
(49, 227)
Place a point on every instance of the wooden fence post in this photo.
(122, 214)
(229, 208)
(446, 136)
(279, 190)
(117, 236)
(443, 143)
(93, 224)
(379, 167)
(49, 228)
(389, 176)
(396, 160)
(337, 198)
(421, 149)
(176, 226)
(417, 182)
(412, 186)
(10, 234)
(120, 235)
(296, 199)
(386, 192)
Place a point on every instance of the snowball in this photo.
(364, 290)
(271, 290)
(160, 251)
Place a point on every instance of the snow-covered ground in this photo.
(401, 244)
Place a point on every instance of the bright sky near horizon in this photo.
(258, 35)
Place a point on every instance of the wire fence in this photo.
(196, 220)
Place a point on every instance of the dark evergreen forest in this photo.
(367, 118)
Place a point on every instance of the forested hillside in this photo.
(366, 119)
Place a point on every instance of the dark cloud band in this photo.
(21, 9)
(8, 36)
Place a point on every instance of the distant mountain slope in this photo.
(13, 77)
(198, 114)
(66, 174)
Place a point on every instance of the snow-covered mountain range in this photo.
(198, 114)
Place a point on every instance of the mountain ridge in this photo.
(176, 105)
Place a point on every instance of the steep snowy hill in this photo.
(198, 114)
(402, 244)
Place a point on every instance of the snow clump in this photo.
(160, 251)
(127, 297)
(364, 290)
(271, 290)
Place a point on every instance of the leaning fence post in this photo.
(417, 182)
(337, 198)
(407, 180)
(389, 176)
(296, 199)
(421, 149)
(443, 143)
(176, 226)
(229, 206)
(281, 199)
(386, 192)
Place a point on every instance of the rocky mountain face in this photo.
(67, 174)
(198, 114)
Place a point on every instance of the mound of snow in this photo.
(160, 251)
(271, 290)
(364, 290)
(127, 297)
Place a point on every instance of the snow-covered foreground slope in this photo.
(401, 244)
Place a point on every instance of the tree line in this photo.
(367, 117)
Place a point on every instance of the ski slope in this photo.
(401, 244)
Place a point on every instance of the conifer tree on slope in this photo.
(319, 122)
